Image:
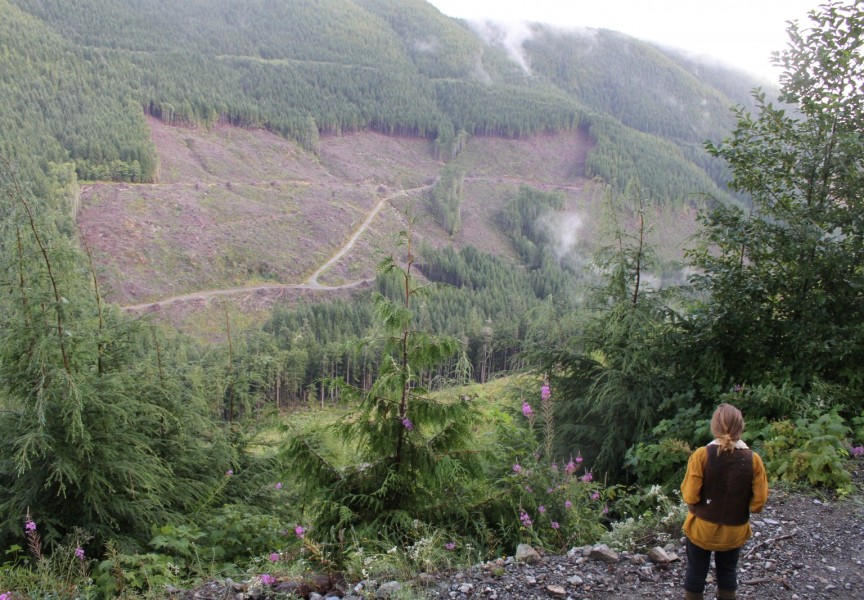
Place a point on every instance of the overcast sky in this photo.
(742, 33)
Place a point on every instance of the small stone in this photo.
(388, 590)
(658, 556)
(556, 591)
(770, 565)
(526, 554)
(530, 580)
(315, 596)
(575, 580)
(466, 588)
(603, 553)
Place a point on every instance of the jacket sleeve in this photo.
(760, 485)
(691, 487)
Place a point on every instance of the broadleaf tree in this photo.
(783, 278)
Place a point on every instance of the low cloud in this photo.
(509, 35)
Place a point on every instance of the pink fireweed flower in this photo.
(517, 468)
(407, 424)
(299, 531)
(274, 557)
(605, 510)
(279, 486)
(858, 451)
(526, 520)
(554, 525)
(450, 545)
(545, 392)
(579, 458)
(229, 472)
(541, 509)
(529, 489)
(527, 411)
(30, 526)
(79, 553)
(568, 504)
(6, 596)
(589, 476)
(570, 467)
(268, 579)
(595, 496)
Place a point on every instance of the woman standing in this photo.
(724, 483)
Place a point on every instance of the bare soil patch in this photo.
(247, 217)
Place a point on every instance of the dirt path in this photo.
(311, 283)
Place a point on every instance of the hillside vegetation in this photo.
(302, 69)
(448, 298)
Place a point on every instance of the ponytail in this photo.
(727, 425)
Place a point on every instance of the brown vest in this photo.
(727, 485)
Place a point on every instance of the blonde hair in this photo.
(727, 424)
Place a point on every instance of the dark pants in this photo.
(698, 562)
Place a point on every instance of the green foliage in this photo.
(530, 496)
(435, 549)
(410, 456)
(809, 450)
(858, 428)
(782, 279)
(233, 533)
(95, 431)
(523, 221)
(545, 504)
(65, 574)
(663, 462)
(445, 199)
(128, 574)
(646, 519)
(611, 373)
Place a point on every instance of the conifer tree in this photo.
(95, 433)
(408, 448)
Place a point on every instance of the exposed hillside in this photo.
(250, 141)
(238, 207)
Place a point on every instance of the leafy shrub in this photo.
(434, 550)
(650, 518)
(124, 574)
(810, 450)
(858, 429)
(661, 463)
(533, 498)
(548, 505)
(234, 533)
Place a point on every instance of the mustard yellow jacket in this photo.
(711, 536)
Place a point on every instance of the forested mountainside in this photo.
(79, 77)
(93, 86)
